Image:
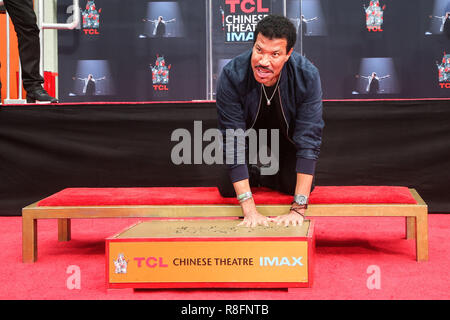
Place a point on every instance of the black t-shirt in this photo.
(447, 27)
(90, 88)
(374, 86)
(271, 116)
(161, 29)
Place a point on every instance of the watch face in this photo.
(301, 199)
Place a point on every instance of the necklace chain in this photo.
(265, 94)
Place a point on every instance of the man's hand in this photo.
(252, 217)
(292, 217)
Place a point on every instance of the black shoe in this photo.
(39, 95)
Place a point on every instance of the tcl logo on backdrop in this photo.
(160, 74)
(444, 71)
(240, 17)
(91, 18)
(374, 16)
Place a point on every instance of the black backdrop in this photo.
(47, 148)
(338, 52)
(128, 57)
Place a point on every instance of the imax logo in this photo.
(280, 261)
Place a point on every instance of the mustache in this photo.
(263, 67)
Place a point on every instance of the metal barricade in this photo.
(58, 26)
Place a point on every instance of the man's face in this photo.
(268, 59)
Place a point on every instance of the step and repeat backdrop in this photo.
(174, 50)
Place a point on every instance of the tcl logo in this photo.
(247, 6)
(160, 87)
(150, 262)
(91, 31)
(375, 29)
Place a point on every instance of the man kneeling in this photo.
(274, 88)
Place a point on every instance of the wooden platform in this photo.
(416, 217)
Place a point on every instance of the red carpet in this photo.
(345, 248)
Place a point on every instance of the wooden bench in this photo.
(343, 201)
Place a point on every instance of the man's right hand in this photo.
(252, 217)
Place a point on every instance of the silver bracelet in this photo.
(244, 196)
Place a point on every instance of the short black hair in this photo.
(277, 27)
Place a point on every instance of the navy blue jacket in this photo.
(238, 99)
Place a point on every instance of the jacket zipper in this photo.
(285, 120)
(257, 113)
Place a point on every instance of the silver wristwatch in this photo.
(301, 199)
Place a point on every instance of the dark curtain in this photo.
(47, 148)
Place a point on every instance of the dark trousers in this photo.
(285, 180)
(24, 20)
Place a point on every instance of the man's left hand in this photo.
(292, 217)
